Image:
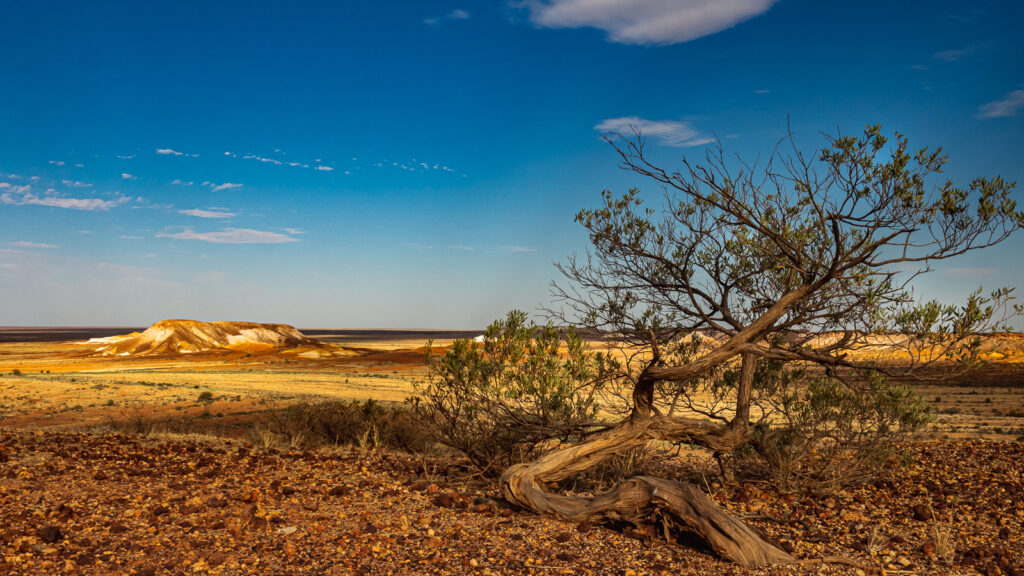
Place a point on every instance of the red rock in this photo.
(922, 512)
(49, 534)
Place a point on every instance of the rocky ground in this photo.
(117, 504)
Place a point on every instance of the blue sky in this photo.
(418, 164)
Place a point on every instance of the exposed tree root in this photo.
(639, 499)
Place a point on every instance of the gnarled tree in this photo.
(808, 260)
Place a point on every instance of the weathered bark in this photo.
(746, 387)
(641, 499)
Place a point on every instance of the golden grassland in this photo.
(59, 385)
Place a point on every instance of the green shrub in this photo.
(830, 433)
(501, 401)
(334, 422)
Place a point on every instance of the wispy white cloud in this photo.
(279, 162)
(457, 14)
(263, 159)
(646, 21)
(57, 162)
(179, 182)
(198, 213)
(519, 249)
(127, 176)
(130, 237)
(762, 91)
(294, 231)
(172, 152)
(461, 248)
(75, 184)
(1009, 105)
(126, 156)
(668, 132)
(27, 244)
(22, 195)
(231, 236)
(225, 186)
(951, 55)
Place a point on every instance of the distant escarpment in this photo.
(172, 337)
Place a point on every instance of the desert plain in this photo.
(144, 462)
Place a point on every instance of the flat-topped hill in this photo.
(191, 336)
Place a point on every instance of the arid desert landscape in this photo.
(512, 288)
(148, 452)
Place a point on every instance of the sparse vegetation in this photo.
(794, 266)
(330, 422)
(501, 401)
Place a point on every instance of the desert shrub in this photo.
(337, 422)
(16, 372)
(612, 471)
(824, 433)
(152, 426)
(505, 399)
(205, 396)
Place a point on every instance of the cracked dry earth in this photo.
(116, 504)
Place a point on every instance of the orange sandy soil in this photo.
(103, 503)
(114, 504)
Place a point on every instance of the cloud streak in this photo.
(951, 55)
(457, 14)
(668, 132)
(1009, 105)
(646, 21)
(199, 213)
(277, 162)
(225, 186)
(173, 152)
(27, 244)
(231, 236)
(22, 196)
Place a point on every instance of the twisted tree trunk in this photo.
(644, 499)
